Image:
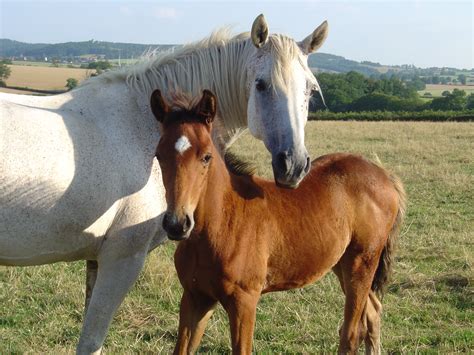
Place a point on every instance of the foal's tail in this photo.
(384, 268)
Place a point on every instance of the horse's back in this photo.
(64, 178)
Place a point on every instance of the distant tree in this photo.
(462, 79)
(444, 80)
(5, 72)
(6, 61)
(455, 101)
(445, 93)
(435, 79)
(470, 102)
(100, 65)
(417, 84)
(71, 83)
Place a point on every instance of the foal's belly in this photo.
(306, 262)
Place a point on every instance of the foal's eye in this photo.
(206, 158)
(260, 84)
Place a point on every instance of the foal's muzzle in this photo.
(178, 228)
(289, 169)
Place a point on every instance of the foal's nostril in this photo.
(187, 224)
(307, 166)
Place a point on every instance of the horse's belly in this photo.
(34, 236)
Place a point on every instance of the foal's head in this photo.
(184, 152)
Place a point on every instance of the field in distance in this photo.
(428, 308)
(44, 78)
(437, 89)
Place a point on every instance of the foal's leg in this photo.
(241, 308)
(91, 276)
(369, 327)
(372, 314)
(363, 324)
(358, 271)
(194, 313)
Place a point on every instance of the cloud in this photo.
(165, 12)
(125, 10)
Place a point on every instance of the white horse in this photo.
(77, 176)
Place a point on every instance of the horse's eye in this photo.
(260, 85)
(206, 158)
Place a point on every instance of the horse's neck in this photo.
(119, 113)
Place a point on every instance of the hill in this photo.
(90, 50)
(70, 50)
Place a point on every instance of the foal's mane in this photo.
(237, 166)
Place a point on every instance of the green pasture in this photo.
(429, 307)
(437, 90)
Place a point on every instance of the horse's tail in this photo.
(384, 268)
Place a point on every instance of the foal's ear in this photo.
(207, 107)
(315, 40)
(158, 106)
(259, 33)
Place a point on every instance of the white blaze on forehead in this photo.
(182, 144)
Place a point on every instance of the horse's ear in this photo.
(259, 33)
(315, 40)
(206, 109)
(158, 106)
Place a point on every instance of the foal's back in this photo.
(307, 230)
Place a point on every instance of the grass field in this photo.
(429, 307)
(437, 89)
(44, 78)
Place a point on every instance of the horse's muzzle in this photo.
(289, 170)
(178, 228)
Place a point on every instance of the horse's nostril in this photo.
(165, 222)
(282, 161)
(307, 166)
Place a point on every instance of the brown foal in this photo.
(242, 236)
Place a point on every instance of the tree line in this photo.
(354, 92)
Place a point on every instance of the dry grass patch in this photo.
(44, 78)
(429, 306)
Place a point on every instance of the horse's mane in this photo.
(217, 63)
(237, 166)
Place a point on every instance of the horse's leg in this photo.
(372, 314)
(91, 276)
(194, 313)
(120, 263)
(358, 269)
(241, 308)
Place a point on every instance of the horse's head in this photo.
(280, 84)
(184, 152)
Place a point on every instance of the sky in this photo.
(420, 32)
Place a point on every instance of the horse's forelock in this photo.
(284, 51)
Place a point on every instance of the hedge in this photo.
(426, 115)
